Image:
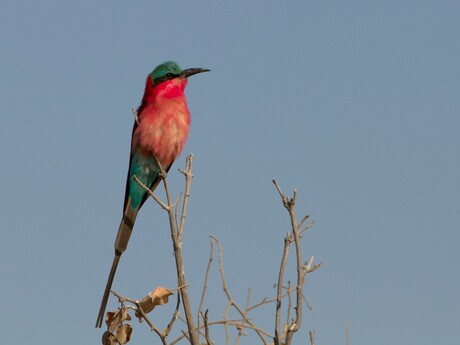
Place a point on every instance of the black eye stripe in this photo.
(167, 76)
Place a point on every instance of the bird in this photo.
(160, 131)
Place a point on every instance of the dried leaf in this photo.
(161, 295)
(157, 297)
(114, 319)
(124, 315)
(124, 333)
(109, 339)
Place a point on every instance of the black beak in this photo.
(191, 71)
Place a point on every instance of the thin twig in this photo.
(177, 246)
(312, 337)
(347, 334)
(174, 317)
(147, 189)
(206, 328)
(227, 334)
(229, 297)
(303, 220)
(205, 284)
(248, 300)
(306, 302)
(279, 289)
(267, 300)
(186, 335)
(289, 308)
(307, 227)
(150, 323)
(315, 267)
(176, 211)
(241, 331)
(188, 182)
(238, 323)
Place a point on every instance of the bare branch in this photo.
(347, 334)
(294, 326)
(303, 220)
(186, 335)
(176, 211)
(307, 227)
(312, 337)
(248, 300)
(264, 301)
(206, 328)
(176, 237)
(177, 246)
(174, 317)
(306, 302)
(188, 182)
(315, 267)
(229, 297)
(238, 323)
(205, 284)
(289, 308)
(283, 333)
(148, 190)
(227, 334)
(279, 291)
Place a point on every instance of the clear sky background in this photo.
(353, 103)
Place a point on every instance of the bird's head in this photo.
(171, 70)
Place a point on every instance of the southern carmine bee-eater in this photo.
(161, 129)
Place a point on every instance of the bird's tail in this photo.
(121, 243)
(126, 227)
(105, 297)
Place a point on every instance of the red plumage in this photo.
(164, 120)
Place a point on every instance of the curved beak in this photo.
(191, 71)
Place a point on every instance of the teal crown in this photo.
(169, 67)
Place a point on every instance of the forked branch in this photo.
(302, 269)
(176, 237)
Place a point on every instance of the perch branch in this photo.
(176, 237)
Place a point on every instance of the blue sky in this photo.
(355, 104)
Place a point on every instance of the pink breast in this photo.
(164, 132)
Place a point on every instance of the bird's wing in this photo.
(129, 169)
(139, 160)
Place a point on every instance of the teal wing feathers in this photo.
(143, 165)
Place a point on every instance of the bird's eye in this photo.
(170, 75)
